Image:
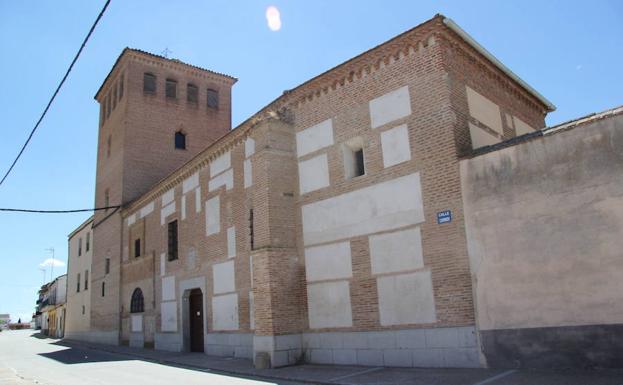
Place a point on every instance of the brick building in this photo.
(328, 227)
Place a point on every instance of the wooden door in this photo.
(196, 320)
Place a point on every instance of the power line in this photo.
(57, 211)
(56, 92)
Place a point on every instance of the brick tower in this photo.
(155, 115)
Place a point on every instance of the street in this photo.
(27, 359)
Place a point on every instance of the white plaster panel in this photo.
(329, 305)
(314, 138)
(384, 206)
(213, 216)
(389, 107)
(313, 173)
(198, 199)
(131, 219)
(395, 144)
(163, 258)
(484, 110)
(190, 183)
(231, 242)
(136, 321)
(249, 147)
(328, 262)
(220, 164)
(522, 127)
(168, 197)
(225, 312)
(252, 309)
(480, 137)
(168, 288)
(223, 277)
(183, 208)
(148, 209)
(396, 252)
(248, 173)
(406, 299)
(168, 312)
(225, 179)
(166, 211)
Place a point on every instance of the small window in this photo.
(80, 247)
(103, 289)
(192, 93)
(149, 83)
(106, 199)
(212, 98)
(137, 304)
(354, 160)
(172, 241)
(114, 98)
(121, 78)
(180, 140)
(83, 309)
(86, 280)
(78, 284)
(107, 266)
(251, 235)
(137, 248)
(88, 245)
(171, 89)
(108, 145)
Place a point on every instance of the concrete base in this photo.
(568, 346)
(137, 340)
(171, 342)
(438, 347)
(238, 345)
(100, 337)
(283, 350)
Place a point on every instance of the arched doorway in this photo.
(195, 308)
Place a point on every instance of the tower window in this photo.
(78, 284)
(86, 280)
(149, 83)
(212, 98)
(88, 241)
(121, 78)
(107, 266)
(103, 289)
(108, 145)
(137, 304)
(171, 90)
(79, 246)
(192, 93)
(354, 161)
(172, 241)
(180, 140)
(137, 248)
(108, 105)
(114, 98)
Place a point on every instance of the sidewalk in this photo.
(350, 375)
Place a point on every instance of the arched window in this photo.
(180, 140)
(137, 303)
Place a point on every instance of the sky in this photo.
(569, 51)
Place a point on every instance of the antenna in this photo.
(51, 249)
(166, 52)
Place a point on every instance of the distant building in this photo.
(53, 297)
(5, 319)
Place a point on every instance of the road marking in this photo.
(496, 377)
(355, 374)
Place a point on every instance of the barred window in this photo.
(212, 98)
(192, 93)
(149, 83)
(137, 304)
(171, 89)
(172, 241)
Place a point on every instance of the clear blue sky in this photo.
(570, 51)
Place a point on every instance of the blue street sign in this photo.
(444, 217)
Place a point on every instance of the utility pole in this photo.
(43, 270)
(51, 249)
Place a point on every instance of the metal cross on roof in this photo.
(166, 52)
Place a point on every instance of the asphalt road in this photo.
(27, 360)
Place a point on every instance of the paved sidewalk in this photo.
(350, 375)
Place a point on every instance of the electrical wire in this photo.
(56, 92)
(58, 211)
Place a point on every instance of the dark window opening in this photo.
(137, 303)
(107, 267)
(172, 241)
(82, 309)
(149, 83)
(192, 93)
(114, 98)
(108, 105)
(108, 145)
(137, 248)
(251, 228)
(80, 247)
(88, 247)
(86, 280)
(171, 89)
(78, 284)
(103, 289)
(121, 78)
(212, 98)
(180, 140)
(359, 166)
